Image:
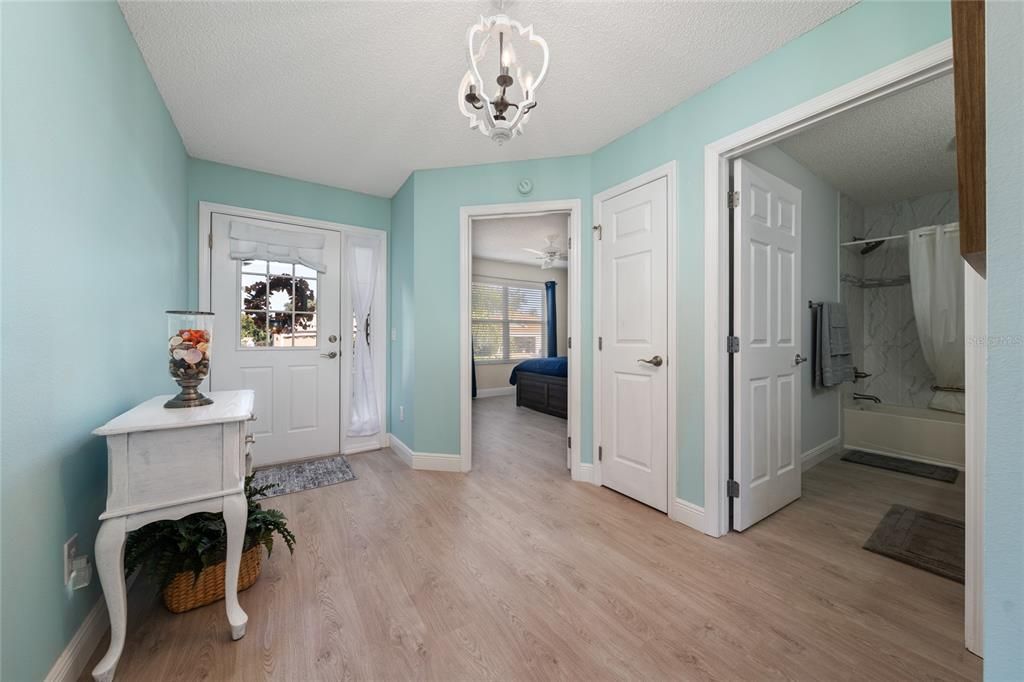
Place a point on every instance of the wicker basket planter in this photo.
(186, 592)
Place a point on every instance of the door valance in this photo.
(253, 242)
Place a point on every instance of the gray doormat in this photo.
(316, 473)
(927, 541)
(904, 466)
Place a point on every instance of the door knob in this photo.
(333, 354)
(799, 359)
(656, 361)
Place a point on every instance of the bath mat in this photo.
(904, 466)
(924, 540)
(316, 473)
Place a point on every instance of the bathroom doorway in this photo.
(876, 308)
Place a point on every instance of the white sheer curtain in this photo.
(362, 261)
(937, 287)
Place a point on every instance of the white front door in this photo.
(766, 318)
(633, 333)
(276, 328)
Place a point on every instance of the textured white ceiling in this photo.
(895, 148)
(503, 239)
(359, 94)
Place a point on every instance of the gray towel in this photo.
(833, 363)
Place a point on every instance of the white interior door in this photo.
(277, 331)
(766, 318)
(634, 343)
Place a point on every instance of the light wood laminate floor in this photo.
(513, 572)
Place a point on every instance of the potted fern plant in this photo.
(186, 557)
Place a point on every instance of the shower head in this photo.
(871, 246)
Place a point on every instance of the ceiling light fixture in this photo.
(492, 116)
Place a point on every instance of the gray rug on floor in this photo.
(904, 466)
(316, 473)
(927, 541)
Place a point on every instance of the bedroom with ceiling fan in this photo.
(519, 326)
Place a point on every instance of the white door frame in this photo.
(902, 75)
(349, 445)
(466, 216)
(678, 510)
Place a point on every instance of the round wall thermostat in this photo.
(525, 186)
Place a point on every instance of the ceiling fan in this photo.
(551, 254)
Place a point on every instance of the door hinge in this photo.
(209, 240)
(734, 199)
(598, 230)
(732, 344)
(600, 342)
(732, 488)
(570, 243)
(568, 342)
(600, 453)
(570, 442)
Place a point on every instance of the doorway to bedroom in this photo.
(520, 390)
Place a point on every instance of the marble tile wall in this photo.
(889, 347)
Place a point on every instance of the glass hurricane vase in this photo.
(190, 338)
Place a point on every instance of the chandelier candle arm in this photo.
(489, 114)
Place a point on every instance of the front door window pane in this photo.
(278, 309)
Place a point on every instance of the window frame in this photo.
(268, 311)
(505, 283)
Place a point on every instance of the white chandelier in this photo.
(493, 115)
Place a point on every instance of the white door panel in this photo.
(766, 318)
(279, 347)
(634, 327)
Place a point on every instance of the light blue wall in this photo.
(864, 38)
(94, 252)
(402, 308)
(819, 281)
(439, 195)
(221, 184)
(1004, 449)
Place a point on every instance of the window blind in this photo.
(508, 320)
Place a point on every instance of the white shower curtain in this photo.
(937, 287)
(362, 267)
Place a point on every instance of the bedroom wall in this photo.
(94, 252)
(492, 376)
(819, 281)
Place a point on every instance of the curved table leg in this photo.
(110, 566)
(236, 510)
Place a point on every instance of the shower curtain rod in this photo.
(858, 242)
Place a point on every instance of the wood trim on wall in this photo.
(969, 97)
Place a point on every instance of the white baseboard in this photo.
(424, 461)
(688, 514)
(495, 392)
(584, 473)
(816, 456)
(71, 663)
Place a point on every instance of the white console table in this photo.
(165, 464)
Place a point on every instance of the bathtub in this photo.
(913, 433)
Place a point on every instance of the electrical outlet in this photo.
(401, 413)
(70, 552)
